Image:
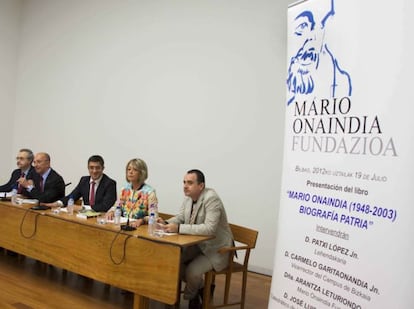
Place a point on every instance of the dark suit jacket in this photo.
(54, 188)
(12, 183)
(105, 195)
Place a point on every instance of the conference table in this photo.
(148, 266)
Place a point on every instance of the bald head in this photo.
(41, 162)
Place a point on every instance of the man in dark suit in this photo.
(25, 170)
(47, 185)
(96, 190)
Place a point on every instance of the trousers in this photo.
(194, 264)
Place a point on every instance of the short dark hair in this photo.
(96, 158)
(199, 174)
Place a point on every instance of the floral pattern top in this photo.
(135, 203)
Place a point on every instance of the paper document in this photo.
(5, 194)
(162, 233)
(30, 201)
(84, 214)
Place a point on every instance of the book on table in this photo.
(85, 214)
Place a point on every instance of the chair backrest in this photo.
(244, 235)
(247, 238)
(165, 216)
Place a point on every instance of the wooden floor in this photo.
(28, 284)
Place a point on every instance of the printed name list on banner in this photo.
(345, 229)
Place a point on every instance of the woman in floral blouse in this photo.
(136, 197)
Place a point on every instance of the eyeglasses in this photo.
(21, 158)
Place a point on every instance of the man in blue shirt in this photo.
(47, 185)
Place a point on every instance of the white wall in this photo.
(182, 84)
(9, 36)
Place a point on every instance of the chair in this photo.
(245, 241)
(165, 216)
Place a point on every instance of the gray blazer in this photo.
(211, 219)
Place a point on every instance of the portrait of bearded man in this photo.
(314, 68)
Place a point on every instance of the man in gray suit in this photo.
(202, 213)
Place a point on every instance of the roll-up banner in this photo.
(345, 237)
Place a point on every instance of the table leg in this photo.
(141, 302)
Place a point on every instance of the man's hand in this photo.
(171, 228)
(160, 220)
(25, 182)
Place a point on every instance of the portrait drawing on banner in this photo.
(313, 58)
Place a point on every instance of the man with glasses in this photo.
(24, 171)
(47, 185)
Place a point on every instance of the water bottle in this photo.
(71, 203)
(151, 224)
(14, 196)
(153, 209)
(117, 216)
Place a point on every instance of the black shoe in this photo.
(194, 303)
(212, 288)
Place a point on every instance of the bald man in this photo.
(48, 186)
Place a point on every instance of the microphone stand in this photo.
(128, 227)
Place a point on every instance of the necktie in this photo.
(41, 184)
(193, 213)
(20, 188)
(92, 194)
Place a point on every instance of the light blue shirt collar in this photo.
(46, 174)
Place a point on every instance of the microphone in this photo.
(68, 184)
(128, 227)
